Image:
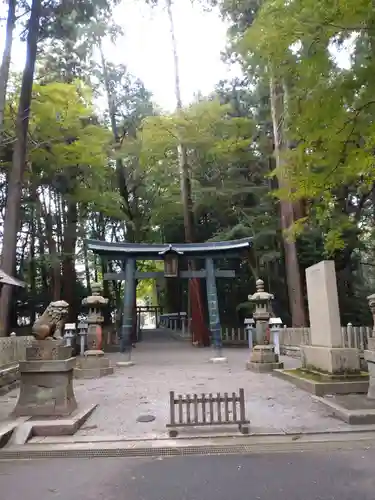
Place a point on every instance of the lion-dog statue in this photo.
(51, 322)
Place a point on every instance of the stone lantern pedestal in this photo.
(262, 357)
(93, 363)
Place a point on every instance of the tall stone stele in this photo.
(46, 376)
(370, 352)
(262, 357)
(326, 354)
(93, 364)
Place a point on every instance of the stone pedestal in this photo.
(46, 381)
(93, 365)
(333, 360)
(326, 354)
(264, 359)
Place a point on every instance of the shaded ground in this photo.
(293, 476)
(162, 366)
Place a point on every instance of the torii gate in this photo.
(129, 253)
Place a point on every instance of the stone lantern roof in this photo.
(95, 299)
(260, 295)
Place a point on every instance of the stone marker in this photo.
(46, 377)
(326, 353)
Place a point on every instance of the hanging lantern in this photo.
(171, 265)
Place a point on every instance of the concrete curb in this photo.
(353, 417)
(76, 439)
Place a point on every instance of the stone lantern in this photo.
(262, 313)
(95, 303)
(262, 357)
(93, 364)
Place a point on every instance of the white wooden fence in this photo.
(351, 336)
(290, 338)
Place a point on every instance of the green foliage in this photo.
(330, 108)
(69, 148)
(118, 171)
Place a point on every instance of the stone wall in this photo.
(12, 350)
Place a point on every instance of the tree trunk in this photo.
(87, 269)
(5, 63)
(32, 264)
(42, 255)
(200, 333)
(120, 171)
(293, 274)
(187, 202)
(69, 278)
(12, 211)
(54, 261)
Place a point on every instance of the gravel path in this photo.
(271, 403)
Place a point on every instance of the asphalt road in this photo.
(339, 475)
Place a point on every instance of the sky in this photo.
(146, 48)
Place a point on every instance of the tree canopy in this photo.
(283, 154)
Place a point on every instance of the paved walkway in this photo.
(162, 365)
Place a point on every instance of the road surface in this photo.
(342, 475)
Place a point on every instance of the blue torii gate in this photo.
(129, 253)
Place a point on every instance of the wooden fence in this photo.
(207, 409)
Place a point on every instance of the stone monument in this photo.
(262, 357)
(93, 364)
(46, 377)
(326, 354)
(370, 352)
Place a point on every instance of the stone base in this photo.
(93, 365)
(46, 387)
(7, 430)
(343, 385)
(354, 409)
(51, 427)
(263, 367)
(334, 360)
(218, 360)
(263, 359)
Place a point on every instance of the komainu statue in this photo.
(51, 322)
